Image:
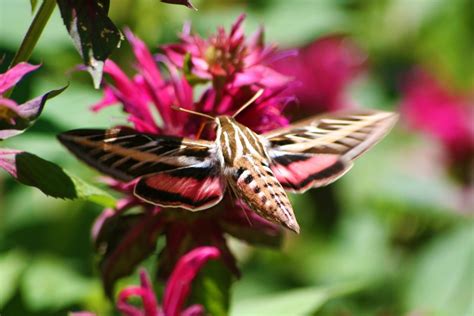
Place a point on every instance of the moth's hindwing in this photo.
(317, 151)
(194, 188)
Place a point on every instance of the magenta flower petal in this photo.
(263, 76)
(134, 99)
(13, 75)
(194, 310)
(145, 292)
(15, 119)
(179, 283)
(107, 100)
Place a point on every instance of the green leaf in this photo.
(33, 3)
(94, 34)
(50, 284)
(54, 181)
(211, 288)
(296, 302)
(442, 279)
(12, 265)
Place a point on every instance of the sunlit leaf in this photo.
(93, 33)
(295, 302)
(51, 179)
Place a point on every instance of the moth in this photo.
(259, 168)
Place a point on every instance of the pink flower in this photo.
(227, 59)
(323, 70)
(126, 239)
(447, 116)
(149, 91)
(176, 291)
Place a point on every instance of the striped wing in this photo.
(173, 171)
(319, 150)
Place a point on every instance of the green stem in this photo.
(33, 34)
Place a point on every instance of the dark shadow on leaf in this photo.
(46, 176)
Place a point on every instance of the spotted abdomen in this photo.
(253, 181)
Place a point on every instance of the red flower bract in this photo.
(227, 60)
(237, 70)
(176, 290)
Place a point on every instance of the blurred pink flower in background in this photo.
(444, 114)
(176, 291)
(322, 71)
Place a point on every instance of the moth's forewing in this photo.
(121, 152)
(174, 171)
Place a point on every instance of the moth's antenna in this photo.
(177, 108)
(243, 107)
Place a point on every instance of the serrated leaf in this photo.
(50, 284)
(303, 301)
(51, 179)
(93, 33)
(12, 265)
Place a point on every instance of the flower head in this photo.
(431, 107)
(176, 291)
(126, 238)
(323, 70)
(227, 59)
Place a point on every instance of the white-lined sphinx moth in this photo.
(194, 174)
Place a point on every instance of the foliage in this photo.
(394, 236)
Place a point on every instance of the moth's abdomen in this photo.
(255, 183)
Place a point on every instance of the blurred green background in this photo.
(392, 237)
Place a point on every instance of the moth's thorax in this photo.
(236, 140)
